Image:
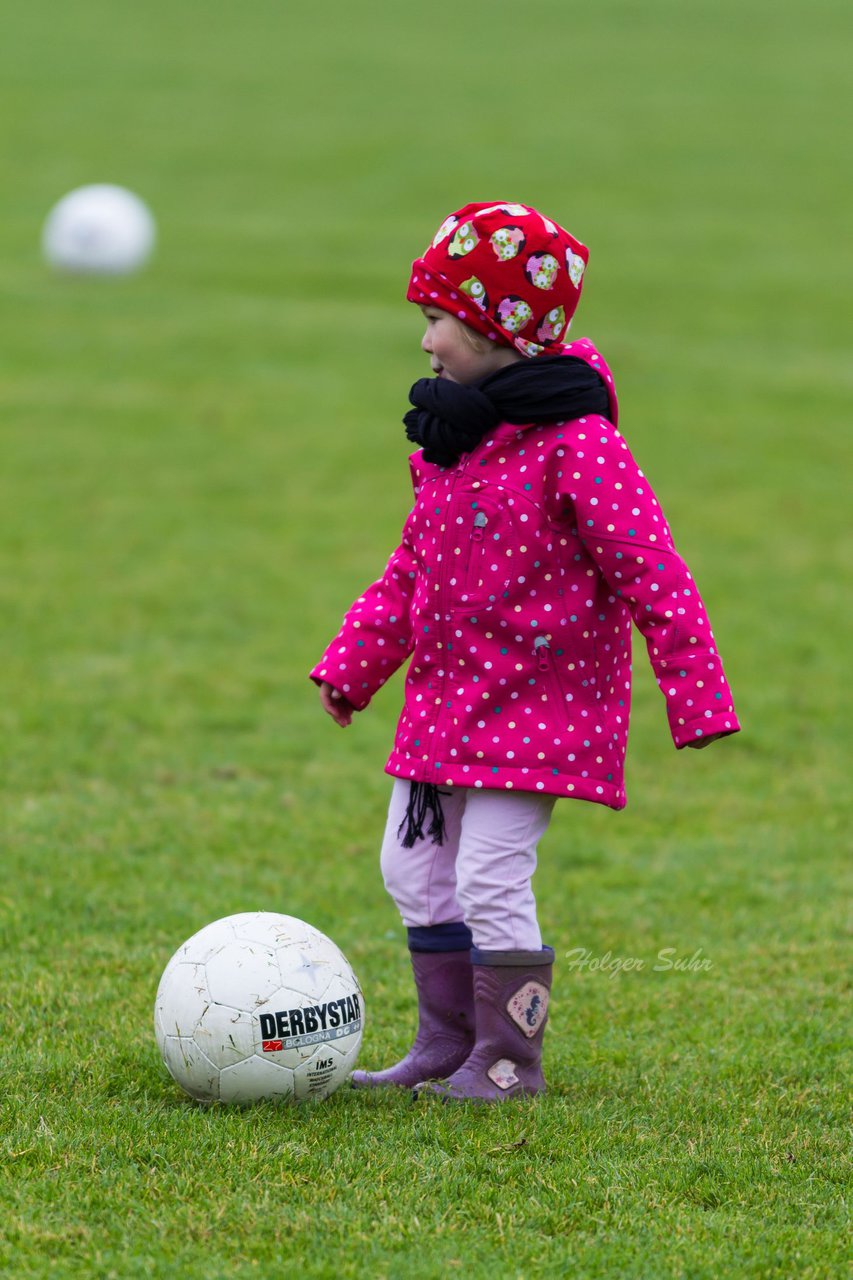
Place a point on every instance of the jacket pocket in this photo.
(481, 578)
(546, 665)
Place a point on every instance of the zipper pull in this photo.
(480, 522)
(542, 651)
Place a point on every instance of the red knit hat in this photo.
(505, 271)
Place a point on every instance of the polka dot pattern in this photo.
(514, 588)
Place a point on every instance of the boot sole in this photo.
(428, 1089)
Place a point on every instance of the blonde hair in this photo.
(475, 340)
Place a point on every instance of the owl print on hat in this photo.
(464, 241)
(476, 291)
(541, 270)
(507, 243)
(513, 314)
(575, 267)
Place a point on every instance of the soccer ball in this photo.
(99, 230)
(258, 1005)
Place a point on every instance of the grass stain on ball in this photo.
(99, 230)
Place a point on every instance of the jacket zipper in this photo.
(542, 653)
(441, 613)
(475, 555)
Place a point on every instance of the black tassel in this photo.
(423, 799)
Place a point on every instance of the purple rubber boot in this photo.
(511, 993)
(445, 1035)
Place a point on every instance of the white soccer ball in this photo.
(258, 1005)
(99, 230)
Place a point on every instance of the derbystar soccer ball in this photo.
(100, 230)
(258, 1005)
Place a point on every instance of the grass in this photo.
(201, 467)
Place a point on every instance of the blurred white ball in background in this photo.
(99, 230)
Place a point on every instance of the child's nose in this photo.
(426, 345)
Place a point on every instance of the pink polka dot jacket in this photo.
(513, 590)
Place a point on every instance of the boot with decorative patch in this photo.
(511, 993)
(444, 982)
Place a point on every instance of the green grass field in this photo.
(201, 466)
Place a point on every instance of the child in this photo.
(533, 543)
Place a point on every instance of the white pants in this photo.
(480, 875)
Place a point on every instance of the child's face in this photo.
(453, 356)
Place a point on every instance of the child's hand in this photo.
(336, 705)
(699, 743)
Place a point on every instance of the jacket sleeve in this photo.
(376, 636)
(620, 522)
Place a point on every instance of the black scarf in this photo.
(450, 418)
